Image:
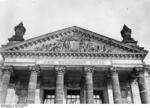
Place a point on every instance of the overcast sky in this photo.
(105, 17)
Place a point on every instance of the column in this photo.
(89, 70)
(11, 97)
(41, 95)
(143, 85)
(108, 93)
(135, 91)
(34, 71)
(59, 94)
(115, 85)
(37, 96)
(147, 78)
(82, 90)
(65, 94)
(7, 70)
(1, 74)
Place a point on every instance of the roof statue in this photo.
(19, 32)
(126, 35)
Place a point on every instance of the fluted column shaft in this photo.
(34, 71)
(7, 70)
(59, 94)
(82, 90)
(135, 91)
(108, 90)
(1, 76)
(89, 84)
(115, 85)
(143, 86)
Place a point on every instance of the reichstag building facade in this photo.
(73, 66)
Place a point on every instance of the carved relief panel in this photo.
(75, 44)
(74, 41)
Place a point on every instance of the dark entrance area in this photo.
(73, 97)
(98, 97)
(49, 97)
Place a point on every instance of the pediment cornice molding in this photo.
(68, 31)
(40, 54)
(16, 50)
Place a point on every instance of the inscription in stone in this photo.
(74, 62)
(118, 63)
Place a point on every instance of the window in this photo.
(98, 97)
(73, 96)
(49, 96)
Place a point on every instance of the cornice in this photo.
(41, 54)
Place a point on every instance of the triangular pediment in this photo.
(74, 39)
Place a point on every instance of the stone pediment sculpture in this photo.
(75, 40)
(126, 35)
(19, 32)
(74, 44)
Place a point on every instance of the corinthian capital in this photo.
(89, 69)
(60, 69)
(140, 69)
(34, 69)
(7, 69)
(136, 71)
(113, 71)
